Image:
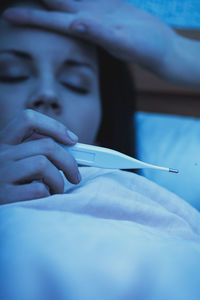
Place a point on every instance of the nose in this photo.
(45, 103)
(45, 99)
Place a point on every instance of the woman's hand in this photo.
(125, 31)
(29, 169)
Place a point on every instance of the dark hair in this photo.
(118, 104)
(8, 3)
(118, 100)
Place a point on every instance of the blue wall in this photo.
(179, 13)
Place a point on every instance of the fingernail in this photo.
(73, 137)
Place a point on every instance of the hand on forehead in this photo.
(122, 29)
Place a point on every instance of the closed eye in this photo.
(76, 89)
(9, 79)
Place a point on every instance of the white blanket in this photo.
(115, 236)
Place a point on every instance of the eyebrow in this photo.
(18, 53)
(68, 62)
(76, 63)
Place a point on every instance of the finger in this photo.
(47, 19)
(57, 21)
(30, 121)
(55, 153)
(16, 193)
(81, 26)
(34, 168)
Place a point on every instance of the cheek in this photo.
(90, 125)
(85, 120)
(11, 104)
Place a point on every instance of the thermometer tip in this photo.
(174, 171)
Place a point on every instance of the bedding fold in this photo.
(116, 236)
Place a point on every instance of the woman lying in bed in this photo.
(80, 233)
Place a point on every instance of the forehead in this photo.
(43, 43)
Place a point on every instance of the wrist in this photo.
(166, 61)
(181, 65)
(160, 51)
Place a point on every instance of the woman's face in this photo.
(54, 74)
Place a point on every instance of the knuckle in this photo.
(6, 152)
(49, 145)
(40, 190)
(30, 14)
(61, 128)
(41, 162)
(28, 116)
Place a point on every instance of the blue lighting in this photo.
(178, 13)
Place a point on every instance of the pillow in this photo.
(171, 141)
